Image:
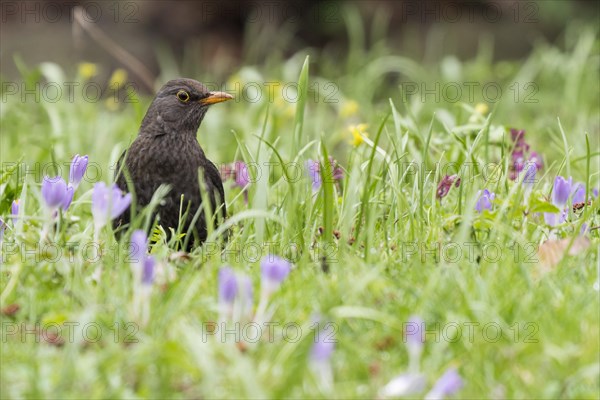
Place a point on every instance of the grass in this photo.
(401, 251)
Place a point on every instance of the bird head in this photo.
(179, 107)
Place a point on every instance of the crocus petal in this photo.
(68, 198)
(314, 173)
(561, 191)
(242, 176)
(100, 204)
(578, 193)
(530, 174)
(550, 218)
(323, 347)
(448, 384)
(14, 210)
(413, 331)
(54, 191)
(485, 201)
(553, 219)
(138, 245)
(274, 269)
(228, 286)
(120, 202)
(148, 271)
(77, 171)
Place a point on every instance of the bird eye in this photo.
(183, 96)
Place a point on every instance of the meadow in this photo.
(438, 254)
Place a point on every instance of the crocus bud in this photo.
(77, 171)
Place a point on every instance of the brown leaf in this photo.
(51, 338)
(179, 256)
(385, 343)
(242, 346)
(11, 309)
(374, 368)
(551, 252)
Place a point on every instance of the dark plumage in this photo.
(166, 152)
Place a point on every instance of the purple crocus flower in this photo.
(274, 270)
(314, 173)
(563, 188)
(14, 211)
(561, 191)
(242, 176)
(448, 384)
(554, 219)
(108, 203)
(445, 185)
(485, 200)
(578, 193)
(413, 331)
(68, 198)
(228, 286)
(56, 193)
(138, 246)
(148, 271)
(323, 347)
(530, 173)
(78, 166)
(236, 297)
(313, 169)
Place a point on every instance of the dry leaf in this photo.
(11, 309)
(552, 251)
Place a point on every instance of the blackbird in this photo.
(166, 152)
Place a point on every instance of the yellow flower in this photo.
(358, 134)
(349, 108)
(87, 70)
(117, 79)
(481, 108)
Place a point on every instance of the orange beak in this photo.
(215, 97)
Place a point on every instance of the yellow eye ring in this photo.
(183, 96)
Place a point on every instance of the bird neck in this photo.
(156, 123)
